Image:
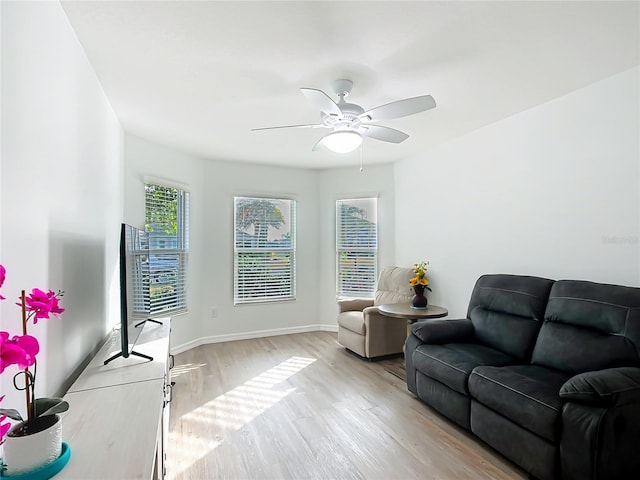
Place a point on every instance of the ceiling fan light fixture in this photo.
(342, 141)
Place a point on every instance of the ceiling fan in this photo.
(350, 122)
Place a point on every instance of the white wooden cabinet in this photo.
(117, 422)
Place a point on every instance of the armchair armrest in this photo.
(609, 387)
(443, 331)
(371, 310)
(354, 304)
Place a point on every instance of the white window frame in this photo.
(254, 285)
(349, 278)
(168, 265)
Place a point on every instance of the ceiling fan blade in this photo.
(385, 134)
(398, 109)
(319, 146)
(290, 126)
(322, 101)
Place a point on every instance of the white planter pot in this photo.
(27, 453)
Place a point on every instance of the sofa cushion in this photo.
(576, 350)
(452, 363)
(528, 395)
(508, 333)
(598, 306)
(507, 311)
(604, 320)
(353, 321)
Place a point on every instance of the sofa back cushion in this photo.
(507, 311)
(589, 326)
(393, 285)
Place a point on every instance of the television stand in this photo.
(121, 397)
(119, 354)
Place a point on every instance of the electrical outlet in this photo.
(214, 312)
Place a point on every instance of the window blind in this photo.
(138, 264)
(356, 247)
(167, 225)
(264, 249)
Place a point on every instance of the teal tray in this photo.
(46, 472)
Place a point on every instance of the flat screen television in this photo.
(134, 289)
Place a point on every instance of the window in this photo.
(167, 223)
(356, 247)
(136, 253)
(264, 252)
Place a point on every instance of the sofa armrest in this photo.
(601, 424)
(609, 387)
(354, 304)
(443, 331)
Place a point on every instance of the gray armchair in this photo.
(363, 329)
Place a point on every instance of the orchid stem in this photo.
(28, 384)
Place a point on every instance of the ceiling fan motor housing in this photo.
(342, 87)
(350, 111)
(349, 116)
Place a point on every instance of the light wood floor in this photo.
(301, 407)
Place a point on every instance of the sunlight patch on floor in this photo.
(186, 368)
(228, 413)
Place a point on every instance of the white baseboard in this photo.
(249, 335)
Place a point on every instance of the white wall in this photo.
(349, 182)
(553, 192)
(213, 184)
(61, 190)
(224, 181)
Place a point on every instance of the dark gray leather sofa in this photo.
(546, 372)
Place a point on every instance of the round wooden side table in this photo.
(412, 315)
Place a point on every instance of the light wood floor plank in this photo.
(301, 407)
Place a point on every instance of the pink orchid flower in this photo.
(3, 275)
(4, 427)
(10, 353)
(43, 303)
(55, 307)
(20, 350)
(30, 346)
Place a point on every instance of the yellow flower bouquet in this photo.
(420, 269)
(419, 283)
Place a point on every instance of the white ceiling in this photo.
(199, 75)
